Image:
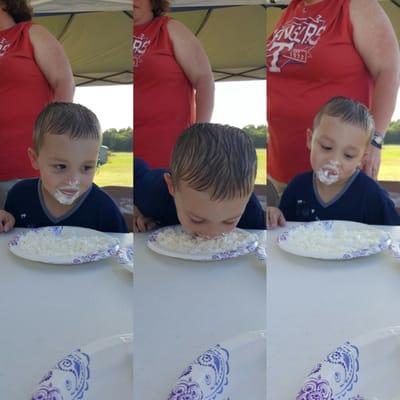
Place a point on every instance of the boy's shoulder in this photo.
(365, 183)
(24, 189)
(301, 180)
(102, 198)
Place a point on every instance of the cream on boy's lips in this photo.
(67, 195)
(329, 173)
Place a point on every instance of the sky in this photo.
(236, 103)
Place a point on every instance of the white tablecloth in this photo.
(313, 306)
(47, 311)
(182, 308)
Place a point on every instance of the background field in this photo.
(118, 170)
(390, 165)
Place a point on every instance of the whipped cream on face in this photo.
(62, 194)
(329, 173)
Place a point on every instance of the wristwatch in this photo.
(377, 140)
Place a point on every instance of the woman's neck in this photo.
(6, 20)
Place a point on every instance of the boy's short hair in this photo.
(349, 111)
(219, 159)
(70, 119)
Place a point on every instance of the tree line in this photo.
(121, 139)
(259, 134)
(118, 140)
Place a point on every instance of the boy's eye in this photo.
(326, 147)
(349, 156)
(88, 167)
(196, 221)
(231, 221)
(59, 167)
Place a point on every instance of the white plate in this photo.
(101, 370)
(125, 257)
(233, 369)
(249, 245)
(65, 232)
(316, 235)
(366, 368)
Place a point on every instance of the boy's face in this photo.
(337, 149)
(67, 166)
(202, 216)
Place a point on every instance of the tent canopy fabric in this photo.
(233, 38)
(69, 6)
(96, 34)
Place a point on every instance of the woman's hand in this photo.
(7, 221)
(52, 61)
(371, 161)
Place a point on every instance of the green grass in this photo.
(261, 167)
(390, 163)
(118, 171)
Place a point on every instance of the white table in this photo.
(313, 306)
(47, 311)
(182, 308)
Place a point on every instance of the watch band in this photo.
(377, 140)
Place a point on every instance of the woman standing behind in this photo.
(173, 82)
(33, 72)
(322, 49)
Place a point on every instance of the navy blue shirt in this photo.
(94, 209)
(361, 200)
(152, 198)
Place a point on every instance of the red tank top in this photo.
(310, 59)
(163, 95)
(24, 92)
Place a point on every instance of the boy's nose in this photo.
(73, 180)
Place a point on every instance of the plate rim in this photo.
(91, 348)
(360, 342)
(241, 251)
(280, 240)
(228, 345)
(62, 260)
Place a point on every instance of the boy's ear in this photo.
(309, 138)
(33, 158)
(170, 185)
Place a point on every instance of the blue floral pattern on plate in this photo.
(110, 250)
(252, 245)
(213, 368)
(68, 380)
(335, 377)
(87, 372)
(125, 257)
(382, 244)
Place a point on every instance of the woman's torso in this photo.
(310, 59)
(163, 95)
(24, 92)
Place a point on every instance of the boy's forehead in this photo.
(329, 122)
(67, 138)
(54, 144)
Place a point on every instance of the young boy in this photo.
(208, 188)
(66, 143)
(336, 189)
